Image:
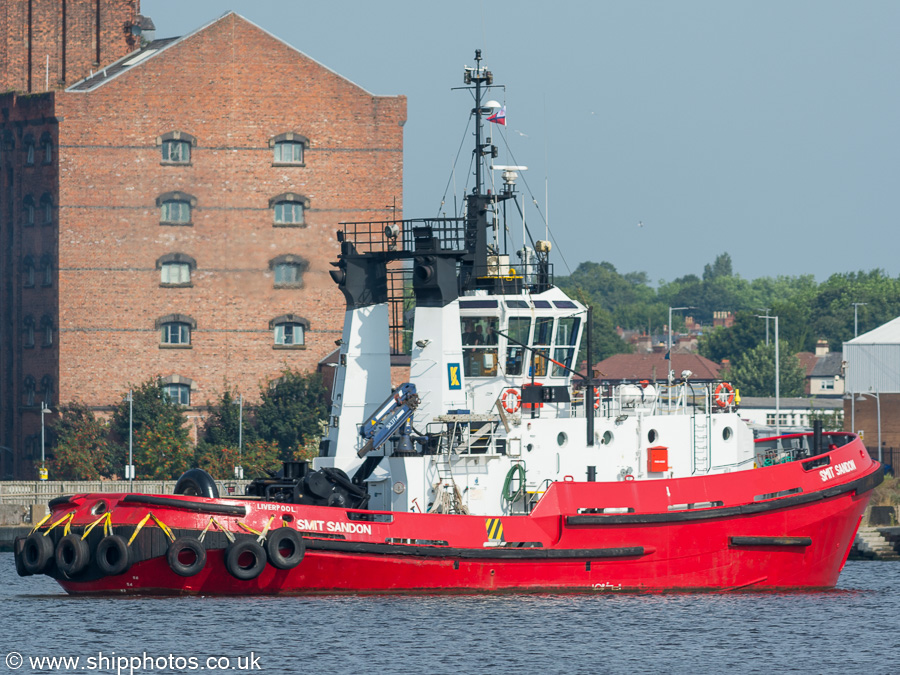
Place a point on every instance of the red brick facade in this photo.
(51, 44)
(231, 89)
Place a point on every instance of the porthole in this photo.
(727, 433)
(287, 517)
(529, 447)
(100, 508)
(607, 438)
(561, 438)
(652, 435)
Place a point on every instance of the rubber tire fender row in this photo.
(72, 555)
(285, 537)
(239, 549)
(113, 555)
(37, 552)
(192, 545)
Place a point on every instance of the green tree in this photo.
(82, 451)
(257, 457)
(162, 447)
(753, 372)
(223, 424)
(290, 410)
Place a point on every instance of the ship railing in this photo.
(387, 236)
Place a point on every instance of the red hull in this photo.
(798, 540)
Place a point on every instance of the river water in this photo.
(855, 627)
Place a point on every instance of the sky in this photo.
(657, 135)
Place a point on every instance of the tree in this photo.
(162, 448)
(257, 456)
(720, 268)
(223, 424)
(753, 372)
(82, 451)
(292, 407)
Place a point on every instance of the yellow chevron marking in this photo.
(494, 529)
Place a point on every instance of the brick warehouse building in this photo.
(174, 214)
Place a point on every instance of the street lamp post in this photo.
(856, 317)
(129, 470)
(44, 411)
(669, 352)
(239, 469)
(877, 398)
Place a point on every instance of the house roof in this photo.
(150, 50)
(655, 367)
(886, 334)
(807, 361)
(828, 365)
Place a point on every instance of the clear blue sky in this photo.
(765, 129)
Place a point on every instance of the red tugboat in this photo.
(463, 479)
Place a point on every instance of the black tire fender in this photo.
(192, 545)
(113, 556)
(72, 555)
(285, 538)
(37, 552)
(197, 483)
(240, 549)
(18, 548)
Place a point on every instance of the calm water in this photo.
(853, 628)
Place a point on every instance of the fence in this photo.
(38, 492)
(890, 457)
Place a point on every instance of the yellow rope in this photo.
(138, 528)
(163, 527)
(68, 517)
(107, 526)
(43, 520)
(213, 521)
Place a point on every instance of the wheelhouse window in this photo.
(176, 147)
(543, 334)
(289, 209)
(519, 328)
(175, 208)
(479, 344)
(566, 336)
(177, 393)
(288, 148)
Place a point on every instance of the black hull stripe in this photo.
(770, 541)
(188, 505)
(860, 486)
(489, 553)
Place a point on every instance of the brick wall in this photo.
(61, 41)
(866, 416)
(233, 87)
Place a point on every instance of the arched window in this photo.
(47, 208)
(28, 210)
(176, 147)
(289, 331)
(175, 330)
(28, 331)
(28, 272)
(29, 150)
(288, 148)
(47, 147)
(178, 389)
(175, 269)
(47, 330)
(28, 391)
(47, 389)
(288, 270)
(289, 209)
(46, 270)
(175, 208)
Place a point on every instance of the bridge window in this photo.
(566, 336)
(479, 343)
(519, 328)
(543, 334)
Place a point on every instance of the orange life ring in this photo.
(724, 395)
(511, 400)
